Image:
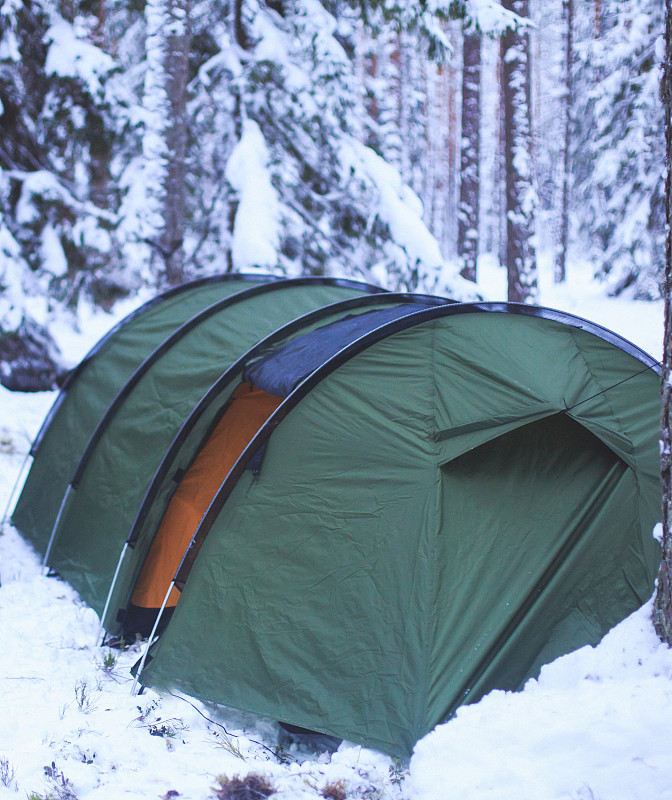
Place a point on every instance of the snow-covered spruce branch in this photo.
(51, 187)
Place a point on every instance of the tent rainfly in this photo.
(372, 514)
(112, 458)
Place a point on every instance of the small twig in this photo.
(219, 725)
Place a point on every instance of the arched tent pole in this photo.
(74, 412)
(101, 632)
(186, 328)
(74, 374)
(150, 640)
(365, 304)
(69, 539)
(274, 284)
(19, 476)
(57, 521)
(352, 349)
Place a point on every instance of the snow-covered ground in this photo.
(596, 724)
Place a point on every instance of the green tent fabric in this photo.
(93, 385)
(186, 443)
(441, 508)
(130, 439)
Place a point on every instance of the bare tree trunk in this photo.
(437, 205)
(165, 140)
(468, 212)
(239, 32)
(443, 162)
(501, 162)
(560, 262)
(178, 40)
(100, 149)
(520, 196)
(452, 157)
(403, 106)
(662, 611)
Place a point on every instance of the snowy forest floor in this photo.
(597, 724)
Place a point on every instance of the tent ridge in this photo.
(169, 294)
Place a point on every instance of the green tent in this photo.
(427, 501)
(443, 505)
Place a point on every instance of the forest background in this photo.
(147, 143)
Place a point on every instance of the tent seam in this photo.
(602, 393)
(634, 468)
(436, 510)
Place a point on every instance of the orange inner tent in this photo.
(249, 409)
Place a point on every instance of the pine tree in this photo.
(619, 150)
(662, 612)
(54, 231)
(520, 194)
(165, 135)
(468, 215)
(59, 130)
(560, 260)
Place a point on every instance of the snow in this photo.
(70, 57)
(11, 280)
(398, 206)
(491, 17)
(40, 184)
(53, 257)
(256, 234)
(597, 723)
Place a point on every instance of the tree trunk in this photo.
(239, 32)
(560, 261)
(468, 212)
(451, 147)
(100, 150)
(500, 171)
(165, 138)
(177, 64)
(662, 611)
(520, 196)
(597, 19)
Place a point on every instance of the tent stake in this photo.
(10, 502)
(150, 640)
(109, 597)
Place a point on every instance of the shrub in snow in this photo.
(60, 787)
(252, 787)
(7, 775)
(334, 791)
(28, 359)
